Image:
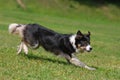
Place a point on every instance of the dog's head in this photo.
(81, 42)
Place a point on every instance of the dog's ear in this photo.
(79, 35)
(88, 35)
(79, 32)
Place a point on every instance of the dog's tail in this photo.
(13, 28)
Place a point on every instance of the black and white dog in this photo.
(65, 45)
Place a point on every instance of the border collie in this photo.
(65, 45)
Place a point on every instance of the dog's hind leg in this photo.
(20, 48)
(25, 48)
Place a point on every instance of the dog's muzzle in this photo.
(88, 48)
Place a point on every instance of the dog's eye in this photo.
(84, 43)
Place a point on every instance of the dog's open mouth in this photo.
(85, 48)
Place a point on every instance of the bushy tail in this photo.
(13, 27)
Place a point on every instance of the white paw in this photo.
(90, 68)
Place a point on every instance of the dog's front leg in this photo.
(77, 62)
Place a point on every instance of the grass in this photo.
(42, 65)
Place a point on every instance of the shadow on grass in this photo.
(31, 56)
(34, 57)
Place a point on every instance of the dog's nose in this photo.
(91, 48)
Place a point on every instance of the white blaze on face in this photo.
(88, 48)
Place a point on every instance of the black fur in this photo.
(48, 39)
(65, 45)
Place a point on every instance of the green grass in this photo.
(42, 65)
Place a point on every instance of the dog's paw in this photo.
(90, 68)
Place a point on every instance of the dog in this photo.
(65, 45)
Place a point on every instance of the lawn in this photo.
(42, 65)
